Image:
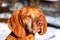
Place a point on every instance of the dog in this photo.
(25, 22)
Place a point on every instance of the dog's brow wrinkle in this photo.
(40, 15)
(29, 16)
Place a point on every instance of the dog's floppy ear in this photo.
(14, 23)
(44, 28)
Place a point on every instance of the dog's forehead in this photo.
(32, 12)
(35, 13)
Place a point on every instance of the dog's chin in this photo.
(37, 31)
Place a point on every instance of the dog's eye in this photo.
(39, 23)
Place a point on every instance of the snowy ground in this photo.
(51, 34)
(4, 31)
(53, 20)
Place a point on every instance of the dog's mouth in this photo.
(39, 32)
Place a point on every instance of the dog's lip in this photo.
(38, 30)
(38, 27)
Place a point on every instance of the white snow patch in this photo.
(53, 20)
(4, 31)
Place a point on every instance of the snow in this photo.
(53, 20)
(4, 31)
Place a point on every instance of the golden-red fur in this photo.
(24, 23)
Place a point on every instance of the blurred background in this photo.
(51, 9)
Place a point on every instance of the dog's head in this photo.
(30, 19)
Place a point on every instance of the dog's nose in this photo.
(39, 23)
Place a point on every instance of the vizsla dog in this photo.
(24, 23)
